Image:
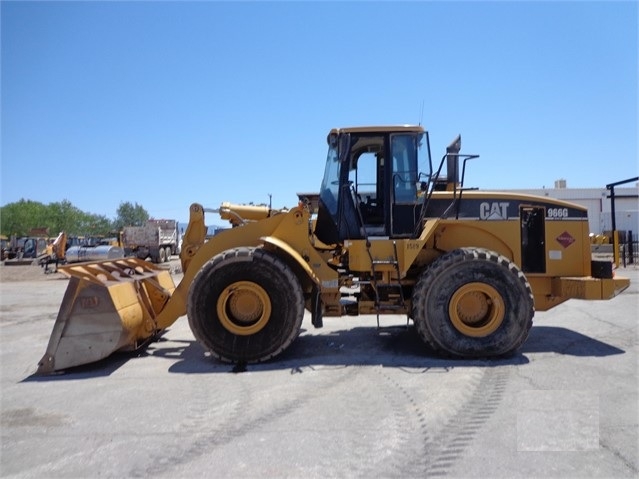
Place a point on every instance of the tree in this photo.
(63, 216)
(21, 217)
(92, 225)
(130, 215)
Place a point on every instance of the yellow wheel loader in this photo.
(389, 232)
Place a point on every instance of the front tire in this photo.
(245, 305)
(473, 302)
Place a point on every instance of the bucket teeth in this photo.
(108, 306)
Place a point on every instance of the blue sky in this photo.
(165, 104)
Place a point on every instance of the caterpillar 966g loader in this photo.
(468, 267)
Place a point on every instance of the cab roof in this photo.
(378, 129)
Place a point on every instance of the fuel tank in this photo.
(81, 254)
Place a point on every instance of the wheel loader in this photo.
(390, 232)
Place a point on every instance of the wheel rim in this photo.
(244, 308)
(476, 309)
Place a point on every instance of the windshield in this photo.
(330, 184)
(424, 161)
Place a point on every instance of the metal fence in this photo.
(628, 248)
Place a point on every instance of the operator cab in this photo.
(371, 184)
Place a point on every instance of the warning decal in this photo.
(565, 240)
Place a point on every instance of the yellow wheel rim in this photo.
(244, 308)
(476, 309)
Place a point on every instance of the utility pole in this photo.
(615, 234)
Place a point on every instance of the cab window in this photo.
(404, 168)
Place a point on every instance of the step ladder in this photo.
(389, 305)
(399, 303)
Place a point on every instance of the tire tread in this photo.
(245, 254)
(438, 268)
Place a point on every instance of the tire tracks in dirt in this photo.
(199, 437)
(430, 452)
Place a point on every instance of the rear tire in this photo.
(167, 254)
(473, 302)
(161, 255)
(245, 305)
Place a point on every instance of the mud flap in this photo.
(108, 306)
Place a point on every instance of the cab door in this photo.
(403, 181)
(533, 244)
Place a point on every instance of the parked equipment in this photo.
(55, 253)
(157, 239)
(25, 248)
(4, 247)
(468, 267)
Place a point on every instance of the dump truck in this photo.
(392, 233)
(157, 239)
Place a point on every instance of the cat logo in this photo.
(493, 211)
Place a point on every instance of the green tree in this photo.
(130, 215)
(95, 225)
(21, 217)
(63, 216)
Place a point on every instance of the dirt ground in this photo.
(32, 272)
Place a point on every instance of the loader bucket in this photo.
(108, 306)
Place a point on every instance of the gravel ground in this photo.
(32, 272)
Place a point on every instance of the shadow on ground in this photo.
(361, 346)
